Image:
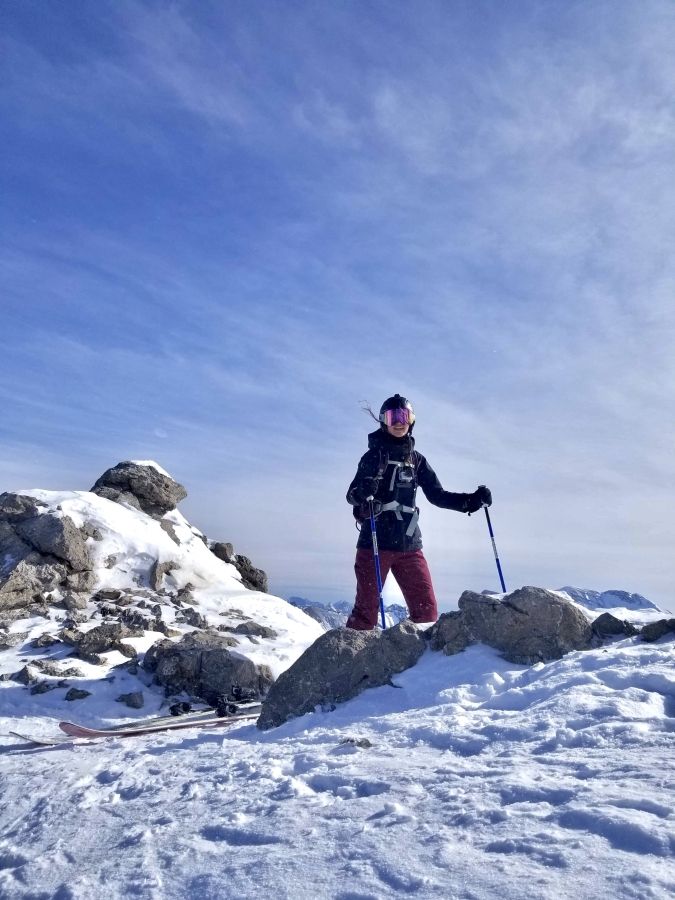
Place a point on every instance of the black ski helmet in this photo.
(396, 402)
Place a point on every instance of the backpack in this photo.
(361, 512)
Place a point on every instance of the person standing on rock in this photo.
(390, 472)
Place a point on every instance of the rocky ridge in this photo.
(94, 582)
(528, 626)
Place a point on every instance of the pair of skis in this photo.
(201, 719)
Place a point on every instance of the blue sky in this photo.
(227, 223)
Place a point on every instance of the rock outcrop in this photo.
(252, 578)
(38, 552)
(608, 625)
(101, 639)
(528, 625)
(143, 487)
(58, 537)
(201, 665)
(338, 666)
(655, 630)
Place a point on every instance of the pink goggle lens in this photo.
(395, 416)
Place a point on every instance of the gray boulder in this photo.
(528, 625)
(252, 578)
(608, 625)
(20, 587)
(82, 582)
(159, 570)
(43, 687)
(12, 548)
(77, 694)
(339, 665)
(74, 602)
(655, 630)
(18, 507)
(170, 529)
(58, 537)
(142, 487)
(101, 639)
(256, 629)
(11, 639)
(133, 701)
(45, 640)
(223, 550)
(27, 675)
(201, 665)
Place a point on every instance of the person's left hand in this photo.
(481, 497)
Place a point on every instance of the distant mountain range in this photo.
(334, 615)
(608, 599)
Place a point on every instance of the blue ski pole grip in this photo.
(376, 554)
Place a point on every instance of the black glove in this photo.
(368, 487)
(480, 498)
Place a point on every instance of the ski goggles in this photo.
(398, 417)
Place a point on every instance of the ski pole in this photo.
(494, 548)
(377, 560)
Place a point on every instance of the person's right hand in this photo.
(369, 487)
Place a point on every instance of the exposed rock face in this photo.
(73, 603)
(656, 630)
(201, 665)
(528, 625)
(11, 640)
(77, 694)
(170, 529)
(256, 629)
(338, 666)
(608, 625)
(133, 700)
(142, 487)
(100, 639)
(252, 578)
(81, 582)
(159, 570)
(38, 552)
(58, 537)
(20, 587)
(223, 550)
(16, 508)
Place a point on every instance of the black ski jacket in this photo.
(397, 484)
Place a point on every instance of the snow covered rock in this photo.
(142, 485)
(338, 666)
(201, 665)
(528, 625)
(148, 579)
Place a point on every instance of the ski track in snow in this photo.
(485, 780)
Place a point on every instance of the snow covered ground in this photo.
(484, 780)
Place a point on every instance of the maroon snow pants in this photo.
(412, 574)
